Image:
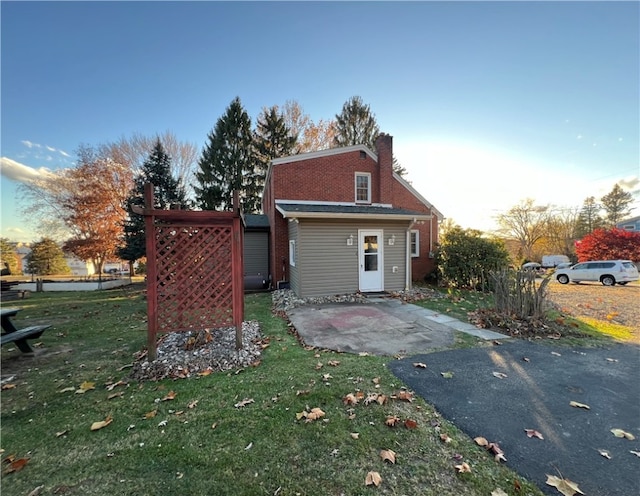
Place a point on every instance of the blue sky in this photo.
(489, 103)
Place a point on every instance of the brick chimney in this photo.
(384, 149)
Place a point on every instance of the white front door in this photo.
(370, 259)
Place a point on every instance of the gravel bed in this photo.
(181, 355)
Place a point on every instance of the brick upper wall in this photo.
(329, 178)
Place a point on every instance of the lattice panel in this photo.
(193, 276)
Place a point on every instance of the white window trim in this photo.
(417, 252)
(292, 252)
(368, 176)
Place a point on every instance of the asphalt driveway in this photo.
(540, 383)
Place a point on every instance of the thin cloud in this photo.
(22, 173)
(31, 144)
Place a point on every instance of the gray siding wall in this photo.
(395, 256)
(256, 253)
(294, 272)
(328, 266)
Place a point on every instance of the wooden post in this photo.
(152, 310)
(237, 270)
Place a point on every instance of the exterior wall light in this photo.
(392, 240)
(350, 240)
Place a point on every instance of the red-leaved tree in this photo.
(609, 244)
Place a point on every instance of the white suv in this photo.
(608, 272)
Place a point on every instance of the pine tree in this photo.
(272, 139)
(228, 163)
(616, 205)
(356, 125)
(589, 218)
(156, 170)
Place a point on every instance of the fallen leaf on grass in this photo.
(445, 438)
(605, 453)
(411, 424)
(110, 387)
(16, 465)
(381, 399)
(310, 416)
(171, 395)
(480, 441)
(355, 435)
(62, 433)
(621, 433)
(499, 454)
(579, 405)
(36, 491)
(150, 414)
(499, 375)
(350, 399)
(388, 456)
(244, 402)
(533, 433)
(103, 423)
(404, 396)
(205, 373)
(333, 363)
(446, 375)
(8, 386)
(85, 386)
(565, 486)
(69, 389)
(420, 365)
(373, 478)
(463, 467)
(115, 395)
(193, 404)
(392, 420)
(498, 492)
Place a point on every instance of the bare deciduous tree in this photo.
(134, 150)
(526, 223)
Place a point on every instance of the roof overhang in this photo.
(355, 212)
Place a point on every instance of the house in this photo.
(342, 221)
(632, 224)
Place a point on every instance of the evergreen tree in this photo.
(272, 139)
(616, 205)
(589, 218)
(46, 258)
(356, 125)
(228, 163)
(156, 169)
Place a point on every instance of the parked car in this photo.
(533, 267)
(564, 265)
(608, 272)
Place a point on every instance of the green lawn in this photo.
(199, 443)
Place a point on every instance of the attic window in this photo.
(363, 155)
(363, 187)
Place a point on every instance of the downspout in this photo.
(407, 283)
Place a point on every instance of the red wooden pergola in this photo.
(194, 270)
